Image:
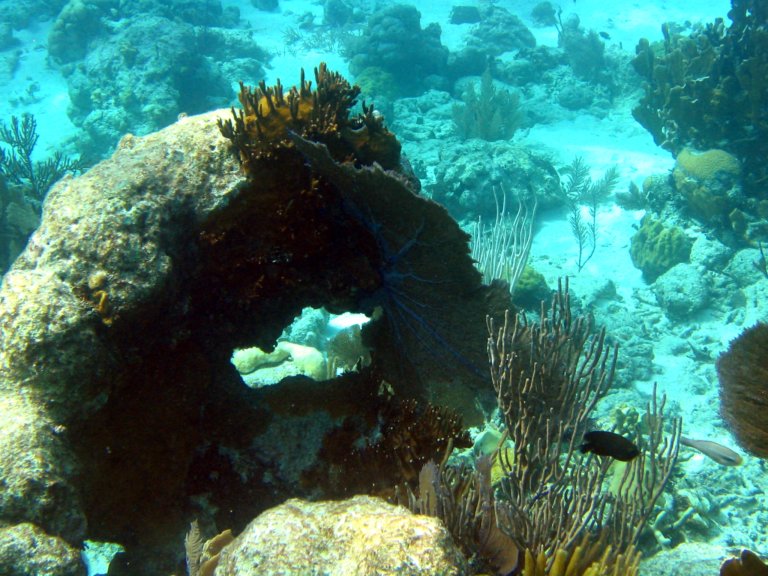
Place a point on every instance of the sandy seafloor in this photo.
(615, 139)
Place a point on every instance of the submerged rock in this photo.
(354, 537)
(118, 322)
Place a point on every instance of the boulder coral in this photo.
(118, 322)
(709, 181)
(370, 536)
(394, 40)
(655, 248)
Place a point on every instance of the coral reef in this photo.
(708, 90)
(743, 373)
(394, 41)
(21, 13)
(465, 179)
(120, 83)
(82, 22)
(118, 322)
(490, 114)
(655, 248)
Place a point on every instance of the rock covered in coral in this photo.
(682, 291)
(355, 537)
(709, 183)
(472, 177)
(26, 550)
(395, 41)
(119, 320)
(499, 31)
(259, 368)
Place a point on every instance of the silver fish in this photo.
(718, 452)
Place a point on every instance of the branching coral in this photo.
(491, 115)
(261, 129)
(549, 377)
(553, 512)
(17, 165)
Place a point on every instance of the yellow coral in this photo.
(270, 114)
(695, 177)
(705, 165)
(578, 563)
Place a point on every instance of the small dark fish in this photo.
(717, 452)
(609, 444)
(605, 35)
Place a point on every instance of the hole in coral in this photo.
(317, 344)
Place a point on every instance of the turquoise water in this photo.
(496, 105)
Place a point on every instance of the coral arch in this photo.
(126, 425)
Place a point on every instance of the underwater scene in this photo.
(381, 287)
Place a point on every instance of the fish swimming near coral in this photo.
(610, 444)
(719, 453)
